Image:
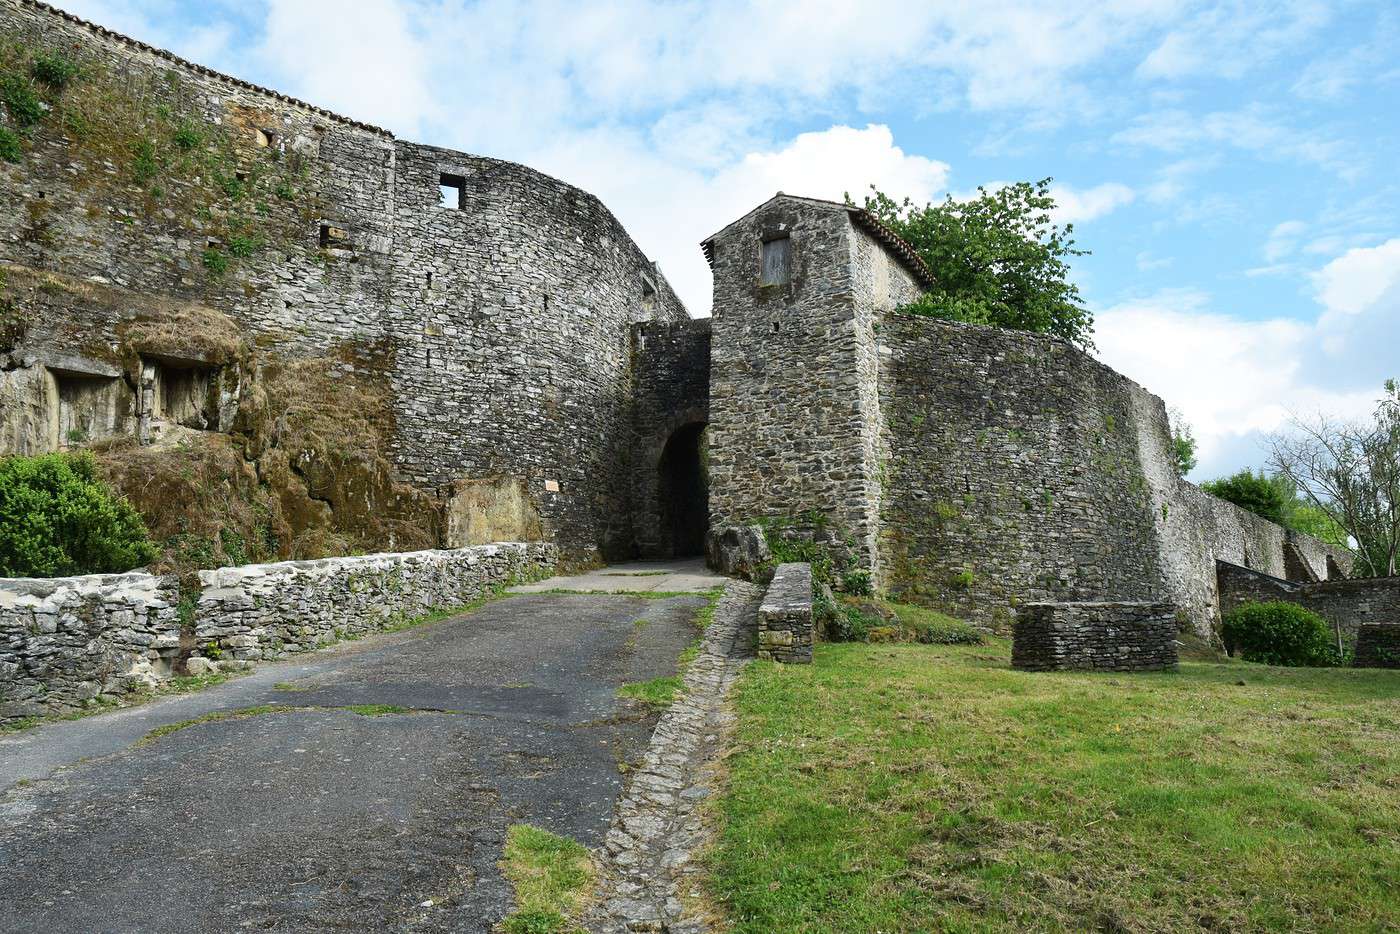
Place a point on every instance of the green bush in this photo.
(10, 150)
(54, 70)
(1279, 634)
(215, 261)
(58, 519)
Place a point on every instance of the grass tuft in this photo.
(553, 881)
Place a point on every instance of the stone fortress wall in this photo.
(1007, 468)
(538, 364)
(502, 326)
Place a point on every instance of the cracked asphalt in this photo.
(321, 819)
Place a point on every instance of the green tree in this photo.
(57, 519)
(996, 259)
(1259, 493)
(1350, 471)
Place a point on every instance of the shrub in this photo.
(1279, 634)
(54, 70)
(244, 245)
(10, 150)
(20, 100)
(57, 519)
(215, 261)
(144, 163)
(186, 137)
(856, 583)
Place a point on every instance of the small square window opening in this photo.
(451, 191)
(777, 262)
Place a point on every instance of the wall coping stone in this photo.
(785, 615)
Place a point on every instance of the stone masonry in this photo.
(1378, 645)
(1122, 636)
(785, 616)
(1348, 605)
(68, 641)
(527, 344)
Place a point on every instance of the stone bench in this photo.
(1378, 646)
(1116, 636)
(785, 616)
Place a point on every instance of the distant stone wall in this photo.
(785, 616)
(1013, 473)
(67, 641)
(1103, 636)
(1378, 646)
(70, 640)
(1348, 604)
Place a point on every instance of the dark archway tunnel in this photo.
(684, 491)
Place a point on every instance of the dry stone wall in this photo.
(1378, 646)
(1013, 472)
(1348, 604)
(69, 642)
(785, 615)
(1095, 636)
(265, 611)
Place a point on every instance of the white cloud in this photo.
(1073, 206)
(1146, 261)
(1251, 129)
(669, 208)
(1355, 281)
(1236, 380)
(1283, 240)
(368, 65)
(1229, 39)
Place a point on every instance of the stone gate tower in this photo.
(799, 286)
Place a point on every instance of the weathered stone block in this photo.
(736, 549)
(785, 616)
(1104, 636)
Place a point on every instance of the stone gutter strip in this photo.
(647, 866)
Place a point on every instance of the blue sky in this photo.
(1232, 166)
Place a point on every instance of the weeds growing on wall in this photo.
(206, 176)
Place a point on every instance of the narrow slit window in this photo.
(777, 261)
(451, 191)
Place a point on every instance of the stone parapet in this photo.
(785, 616)
(1113, 636)
(68, 642)
(1378, 645)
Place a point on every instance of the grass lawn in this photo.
(930, 787)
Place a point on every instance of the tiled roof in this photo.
(867, 221)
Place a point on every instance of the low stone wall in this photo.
(265, 610)
(1348, 604)
(1126, 636)
(785, 616)
(67, 642)
(1378, 646)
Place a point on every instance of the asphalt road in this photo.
(318, 818)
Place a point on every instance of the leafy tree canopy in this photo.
(1259, 493)
(997, 259)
